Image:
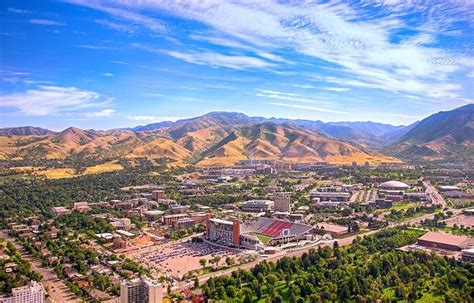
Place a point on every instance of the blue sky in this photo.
(107, 64)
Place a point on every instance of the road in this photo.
(435, 195)
(56, 289)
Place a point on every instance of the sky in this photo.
(107, 64)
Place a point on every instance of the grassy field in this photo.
(263, 238)
(103, 168)
(62, 173)
(403, 206)
(57, 173)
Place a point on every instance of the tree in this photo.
(196, 282)
(203, 262)
(229, 261)
(217, 259)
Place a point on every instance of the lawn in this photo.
(403, 206)
(263, 238)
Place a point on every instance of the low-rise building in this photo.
(445, 241)
(257, 205)
(382, 203)
(158, 195)
(170, 219)
(183, 222)
(178, 208)
(81, 206)
(447, 188)
(60, 210)
(330, 196)
(467, 254)
(125, 233)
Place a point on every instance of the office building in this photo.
(32, 293)
(157, 195)
(257, 205)
(141, 290)
(282, 203)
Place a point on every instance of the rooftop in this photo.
(445, 238)
(393, 184)
(220, 221)
(331, 227)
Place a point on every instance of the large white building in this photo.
(141, 290)
(32, 293)
(257, 205)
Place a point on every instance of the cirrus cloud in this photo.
(48, 100)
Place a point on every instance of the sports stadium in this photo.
(257, 233)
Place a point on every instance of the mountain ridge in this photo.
(228, 136)
(446, 135)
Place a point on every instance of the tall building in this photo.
(282, 203)
(157, 195)
(32, 293)
(141, 290)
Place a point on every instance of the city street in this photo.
(58, 291)
(435, 195)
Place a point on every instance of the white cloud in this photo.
(117, 26)
(153, 118)
(219, 60)
(47, 100)
(364, 45)
(288, 97)
(305, 86)
(125, 14)
(314, 108)
(108, 74)
(101, 114)
(45, 22)
(96, 47)
(18, 11)
(119, 62)
(336, 89)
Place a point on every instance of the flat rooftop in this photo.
(331, 227)
(445, 238)
(220, 221)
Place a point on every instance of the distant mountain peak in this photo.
(25, 131)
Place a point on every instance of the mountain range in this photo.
(222, 138)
